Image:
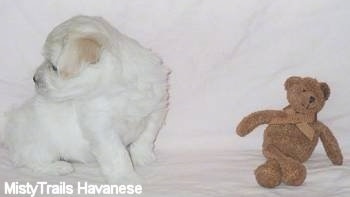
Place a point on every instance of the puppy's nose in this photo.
(34, 79)
(312, 99)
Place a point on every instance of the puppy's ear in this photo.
(76, 53)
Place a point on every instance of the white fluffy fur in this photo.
(110, 110)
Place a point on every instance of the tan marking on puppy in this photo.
(76, 53)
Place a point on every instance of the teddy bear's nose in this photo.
(312, 99)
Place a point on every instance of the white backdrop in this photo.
(228, 58)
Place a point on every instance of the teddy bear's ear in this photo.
(291, 81)
(325, 89)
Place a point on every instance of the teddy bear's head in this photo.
(306, 95)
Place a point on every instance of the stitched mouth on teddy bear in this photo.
(306, 107)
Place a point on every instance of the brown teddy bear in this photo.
(292, 133)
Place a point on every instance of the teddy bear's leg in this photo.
(269, 174)
(293, 171)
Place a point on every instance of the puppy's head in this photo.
(72, 65)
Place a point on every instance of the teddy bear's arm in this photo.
(253, 120)
(330, 144)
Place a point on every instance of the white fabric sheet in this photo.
(228, 58)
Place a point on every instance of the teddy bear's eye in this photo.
(304, 90)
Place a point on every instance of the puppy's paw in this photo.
(142, 154)
(125, 179)
(55, 168)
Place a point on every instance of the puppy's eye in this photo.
(54, 68)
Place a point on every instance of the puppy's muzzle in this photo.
(39, 82)
(35, 79)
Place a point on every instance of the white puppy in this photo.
(100, 96)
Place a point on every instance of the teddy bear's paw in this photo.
(269, 174)
(293, 173)
(338, 160)
(242, 129)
